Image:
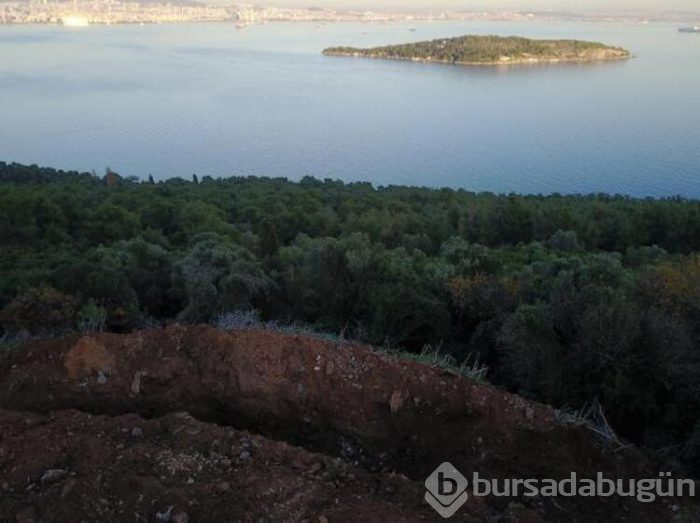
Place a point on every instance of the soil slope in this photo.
(197, 424)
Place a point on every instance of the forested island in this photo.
(566, 299)
(489, 50)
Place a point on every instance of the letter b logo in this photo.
(446, 486)
(447, 490)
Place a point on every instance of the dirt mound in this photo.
(331, 431)
(72, 466)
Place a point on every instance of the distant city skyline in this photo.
(607, 5)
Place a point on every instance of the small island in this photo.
(489, 50)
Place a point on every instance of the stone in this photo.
(101, 377)
(397, 400)
(53, 475)
(165, 515)
(136, 383)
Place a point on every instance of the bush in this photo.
(41, 310)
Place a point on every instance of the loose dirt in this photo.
(197, 424)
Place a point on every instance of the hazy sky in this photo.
(658, 5)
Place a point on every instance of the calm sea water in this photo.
(210, 99)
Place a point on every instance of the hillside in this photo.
(249, 424)
(489, 50)
(568, 300)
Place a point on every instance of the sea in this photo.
(212, 99)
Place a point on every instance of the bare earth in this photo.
(196, 424)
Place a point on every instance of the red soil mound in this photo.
(333, 431)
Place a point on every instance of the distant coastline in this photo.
(115, 12)
(489, 51)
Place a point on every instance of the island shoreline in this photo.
(535, 61)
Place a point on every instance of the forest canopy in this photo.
(566, 299)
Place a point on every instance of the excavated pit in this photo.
(360, 413)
